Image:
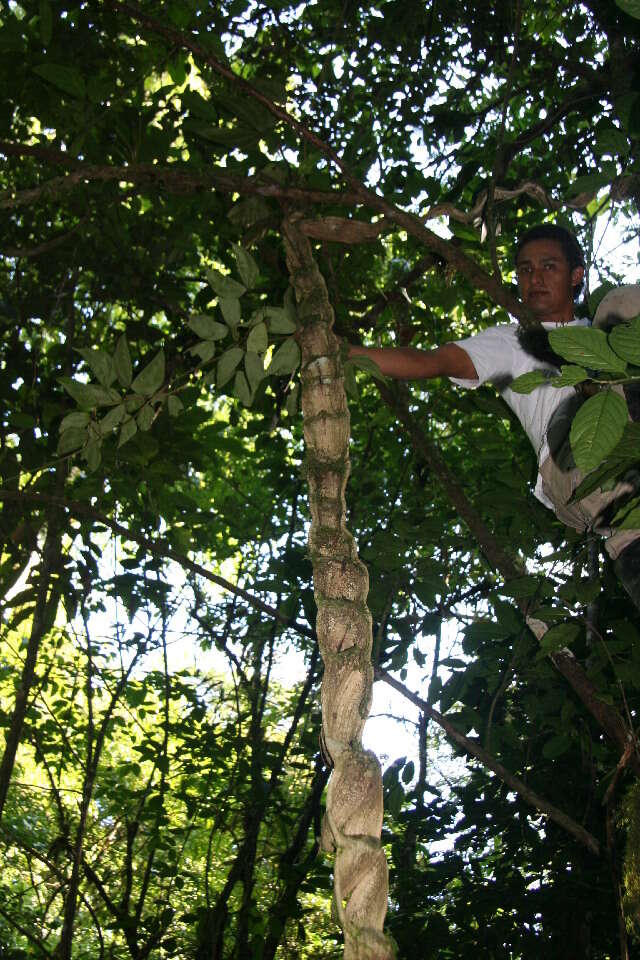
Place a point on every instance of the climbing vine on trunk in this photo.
(353, 819)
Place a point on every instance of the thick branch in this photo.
(473, 748)
(46, 597)
(174, 177)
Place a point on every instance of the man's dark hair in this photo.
(570, 247)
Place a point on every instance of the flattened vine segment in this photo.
(353, 819)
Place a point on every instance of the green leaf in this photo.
(247, 266)
(279, 320)
(629, 445)
(608, 470)
(92, 454)
(596, 429)
(72, 439)
(595, 296)
(625, 340)
(88, 395)
(586, 347)
(225, 287)
(408, 772)
(74, 420)
(630, 520)
(569, 376)
(285, 359)
(590, 183)
(241, 389)
(366, 363)
(227, 365)
(528, 382)
(67, 79)
(151, 378)
(522, 587)
(254, 368)
(100, 364)
(207, 328)
(559, 636)
(133, 402)
(146, 417)
(610, 140)
(175, 406)
(632, 7)
(587, 590)
(350, 382)
(128, 429)
(556, 746)
(205, 350)
(112, 419)
(122, 362)
(258, 339)
(230, 307)
(249, 211)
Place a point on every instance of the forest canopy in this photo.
(162, 777)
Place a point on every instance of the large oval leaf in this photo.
(280, 321)
(254, 368)
(151, 377)
(122, 362)
(528, 382)
(67, 79)
(241, 389)
(89, 395)
(247, 266)
(230, 307)
(632, 7)
(625, 340)
(224, 286)
(597, 428)
(71, 439)
(587, 348)
(227, 365)
(207, 328)
(286, 359)
(100, 364)
(258, 339)
(75, 420)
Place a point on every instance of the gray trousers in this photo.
(586, 514)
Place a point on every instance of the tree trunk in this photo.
(353, 819)
(41, 622)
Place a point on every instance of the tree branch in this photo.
(159, 548)
(175, 177)
(473, 748)
(607, 716)
(476, 274)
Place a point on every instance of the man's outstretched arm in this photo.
(407, 363)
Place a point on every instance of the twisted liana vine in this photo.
(353, 820)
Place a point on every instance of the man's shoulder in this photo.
(500, 331)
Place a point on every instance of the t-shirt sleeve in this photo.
(493, 352)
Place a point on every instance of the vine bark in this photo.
(353, 820)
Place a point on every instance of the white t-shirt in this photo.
(498, 357)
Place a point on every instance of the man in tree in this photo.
(550, 270)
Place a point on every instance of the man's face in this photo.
(546, 282)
